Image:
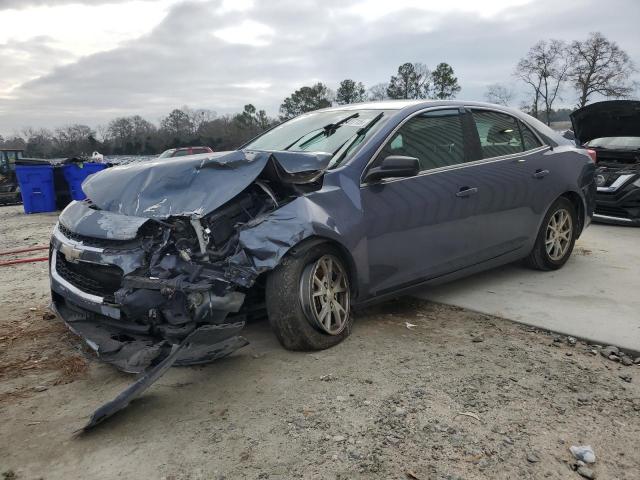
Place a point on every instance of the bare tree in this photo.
(544, 69)
(198, 116)
(378, 92)
(499, 94)
(102, 132)
(600, 66)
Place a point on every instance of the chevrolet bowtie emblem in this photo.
(71, 253)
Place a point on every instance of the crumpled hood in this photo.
(194, 185)
(614, 118)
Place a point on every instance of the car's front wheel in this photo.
(556, 237)
(308, 298)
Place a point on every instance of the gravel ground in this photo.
(419, 391)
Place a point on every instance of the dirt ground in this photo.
(419, 391)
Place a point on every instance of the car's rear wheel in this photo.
(308, 298)
(556, 237)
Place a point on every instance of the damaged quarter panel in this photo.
(333, 213)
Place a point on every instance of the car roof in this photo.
(401, 104)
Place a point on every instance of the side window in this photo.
(499, 133)
(434, 138)
(529, 139)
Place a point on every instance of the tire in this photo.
(289, 298)
(543, 258)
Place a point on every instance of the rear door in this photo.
(510, 157)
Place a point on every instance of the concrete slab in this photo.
(595, 296)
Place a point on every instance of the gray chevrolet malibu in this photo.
(166, 260)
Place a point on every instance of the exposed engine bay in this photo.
(618, 182)
(612, 129)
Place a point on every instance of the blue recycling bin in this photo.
(76, 173)
(36, 186)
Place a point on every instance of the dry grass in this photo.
(19, 393)
(71, 368)
(38, 343)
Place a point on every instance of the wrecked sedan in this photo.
(328, 211)
(612, 130)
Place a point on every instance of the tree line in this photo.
(593, 67)
(134, 135)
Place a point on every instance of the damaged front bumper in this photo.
(131, 321)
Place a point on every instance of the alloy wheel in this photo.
(558, 234)
(326, 295)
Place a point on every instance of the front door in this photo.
(419, 226)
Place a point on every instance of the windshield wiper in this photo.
(327, 130)
(360, 133)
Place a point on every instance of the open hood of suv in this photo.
(614, 118)
(194, 185)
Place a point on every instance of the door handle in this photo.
(540, 173)
(466, 191)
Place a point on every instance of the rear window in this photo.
(499, 133)
(528, 138)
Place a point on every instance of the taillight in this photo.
(593, 155)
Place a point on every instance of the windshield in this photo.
(615, 143)
(338, 132)
(167, 153)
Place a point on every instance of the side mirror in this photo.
(569, 135)
(394, 166)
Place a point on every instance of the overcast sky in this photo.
(88, 61)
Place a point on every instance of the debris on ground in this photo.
(626, 378)
(532, 458)
(9, 475)
(469, 414)
(280, 410)
(586, 472)
(583, 453)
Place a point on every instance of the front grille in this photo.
(100, 280)
(90, 241)
(612, 211)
